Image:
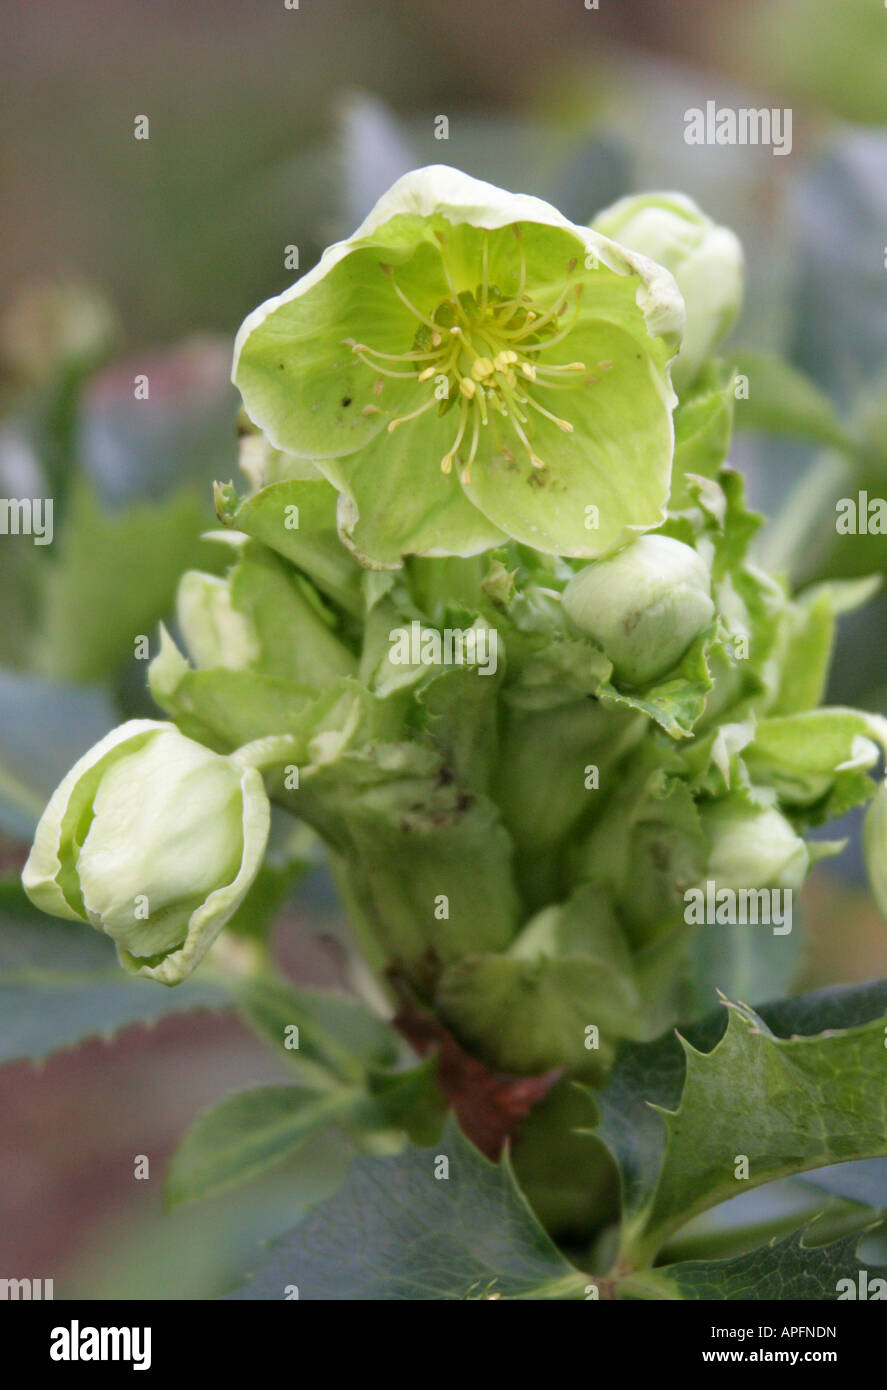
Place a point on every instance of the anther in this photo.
(482, 368)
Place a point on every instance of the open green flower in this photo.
(153, 839)
(469, 363)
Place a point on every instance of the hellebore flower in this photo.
(467, 364)
(643, 606)
(705, 259)
(154, 840)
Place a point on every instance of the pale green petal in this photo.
(605, 481)
(208, 920)
(215, 633)
(50, 853)
(165, 831)
(396, 501)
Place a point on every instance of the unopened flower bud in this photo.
(643, 606)
(215, 633)
(153, 839)
(752, 847)
(706, 261)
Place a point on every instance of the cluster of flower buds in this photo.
(525, 706)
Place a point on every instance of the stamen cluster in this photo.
(478, 352)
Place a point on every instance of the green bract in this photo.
(470, 365)
(644, 606)
(705, 259)
(153, 839)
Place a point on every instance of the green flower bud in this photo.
(644, 606)
(705, 259)
(215, 633)
(752, 847)
(874, 839)
(262, 616)
(153, 839)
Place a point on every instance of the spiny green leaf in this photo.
(786, 1104)
(399, 1229)
(785, 1269)
(648, 1074)
(61, 983)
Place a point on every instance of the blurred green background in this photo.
(270, 128)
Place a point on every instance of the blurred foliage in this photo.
(831, 55)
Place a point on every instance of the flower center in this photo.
(479, 353)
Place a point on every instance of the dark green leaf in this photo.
(60, 983)
(787, 1103)
(785, 1269)
(399, 1230)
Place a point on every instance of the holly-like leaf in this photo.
(785, 1269)
(786, 1104)
(61, 983)
(440, 1223)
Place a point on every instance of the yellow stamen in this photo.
(402, 419)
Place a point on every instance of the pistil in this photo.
(484, 350)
